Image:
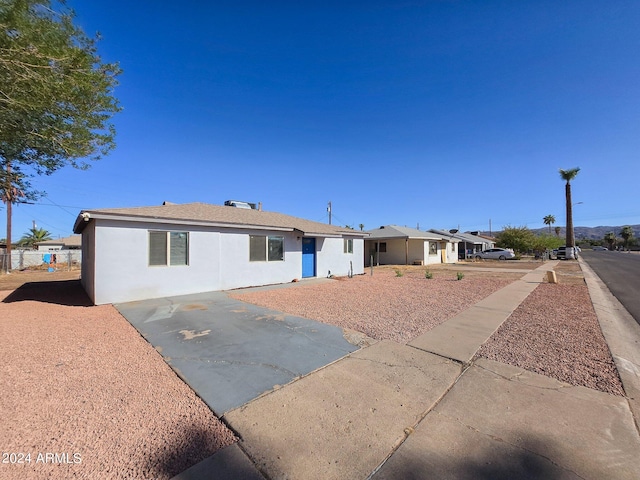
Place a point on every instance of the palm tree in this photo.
(33, 236)
(361, 226)
(568, 175)
(549, 220)
(626, 233)
(610, 238)
(557, 230)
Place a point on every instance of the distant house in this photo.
(74, 242)
(468, 243)
(177, 249)
(395, 245)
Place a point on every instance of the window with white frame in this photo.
(348, 245)
(168, 248)
(266, 248)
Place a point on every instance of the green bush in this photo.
(427, 274)
(460, 275)
(399, 273)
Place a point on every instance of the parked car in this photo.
(600, 248)
(495, 254)
(562, 252)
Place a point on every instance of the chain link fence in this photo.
(41, 260)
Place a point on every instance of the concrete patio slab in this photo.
(231, 352)
(346, 419)
(502, 422)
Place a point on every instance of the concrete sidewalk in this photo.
(424, 410)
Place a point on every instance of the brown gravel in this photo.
(555, 332)
(384, 306)
(79, 381)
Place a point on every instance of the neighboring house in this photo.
(468, 243)
(74, 242)
(150, 252)
(395, 245)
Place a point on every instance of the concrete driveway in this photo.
(231, 352)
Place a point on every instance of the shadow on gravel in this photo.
(186, 449)
(62, 292)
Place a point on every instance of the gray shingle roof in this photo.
(395, 231)
(224, 216)
(72, 241)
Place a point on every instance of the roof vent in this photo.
(237, 204)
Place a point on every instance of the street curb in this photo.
(622, 334)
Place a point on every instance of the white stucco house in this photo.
(176, 249)
(74, 242)
(468, 242)
(396, 245)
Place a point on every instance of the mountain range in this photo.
(590, 233)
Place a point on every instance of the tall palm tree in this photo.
(33, 236)
(626, 233)
(549, 220)
(568, 175)
(557, 230)
(610, 238)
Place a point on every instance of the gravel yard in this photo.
(555, 332)
(384, 306)
(79, 382)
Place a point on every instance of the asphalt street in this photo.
(620, 272)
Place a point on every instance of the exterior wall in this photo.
(122, 271)
(87, 273)
(218, 260)
(396, 252)
(451, 249)
(432, 258)
(331, 257)
(236, 271)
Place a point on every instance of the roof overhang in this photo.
(85, 217)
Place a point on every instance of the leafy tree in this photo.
(520, 239)
(568, 175)
(610, 238)
(544, 242)
(56, 97)
(549, 220)
(626, 233)
(33, 236)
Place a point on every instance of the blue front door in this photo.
(308, 257)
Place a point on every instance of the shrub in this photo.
(399, 273)
(460, 275)
(428, 274)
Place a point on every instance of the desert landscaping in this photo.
(79, 380)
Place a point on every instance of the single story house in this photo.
(468, 243)
(176, 249)
(74, 242)
(395, 245)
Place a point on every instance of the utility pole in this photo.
(329, 210)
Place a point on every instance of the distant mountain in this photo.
(591, 233)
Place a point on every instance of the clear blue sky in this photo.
(445, 114)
